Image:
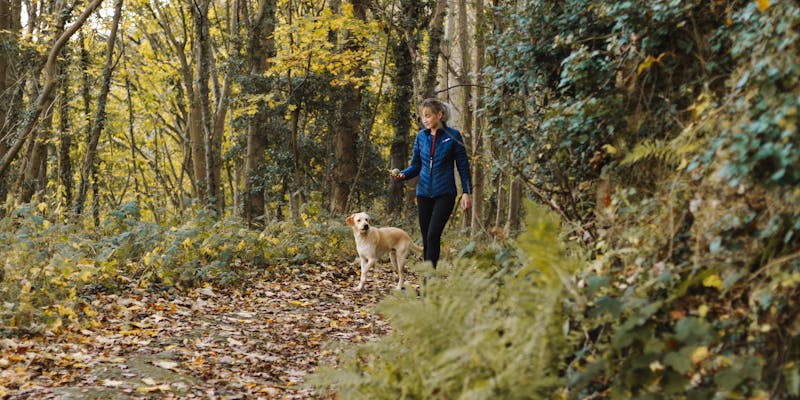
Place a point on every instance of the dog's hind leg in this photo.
(398, 261)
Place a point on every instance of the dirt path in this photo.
(255, 342)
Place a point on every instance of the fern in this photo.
(470, 335)
(651, 150)
(687, 144)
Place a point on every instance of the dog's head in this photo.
(359, 221)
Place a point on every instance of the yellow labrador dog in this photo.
(373, 243)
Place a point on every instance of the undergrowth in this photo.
(484, 327)
(51, 270)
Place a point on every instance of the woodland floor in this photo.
(256, 341)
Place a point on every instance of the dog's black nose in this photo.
(366, 227)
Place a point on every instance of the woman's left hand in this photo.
(465, 202)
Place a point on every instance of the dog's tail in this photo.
(416, 248)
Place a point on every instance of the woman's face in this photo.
(431, 119)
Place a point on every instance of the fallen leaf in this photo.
(166, 364)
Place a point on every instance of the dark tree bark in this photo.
(401, 120)
(435, 36)
(401, 115)
(514, 206)
(88, 167)
(345, 161)
(65, 140)
(261, 46)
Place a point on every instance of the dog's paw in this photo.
(358, 288)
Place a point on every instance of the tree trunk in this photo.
(401, 120)
(297, 198)
(500, 216)
(464, 81)
(9, 32)
(65, 140)
(261, 46)
(514, 206)
(479, 163)
(446, 54)
(435, 36)
(89, 166)
(45, 96)
(199, 126)
(345, 159)
(32, 179)
(134, 173)
(32, 170)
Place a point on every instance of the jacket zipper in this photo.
(433, 149)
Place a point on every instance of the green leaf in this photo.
(680, 360)
(738, 373)
(692, 330)
(608, 305)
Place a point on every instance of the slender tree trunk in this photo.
(296, 197)
(30, 180)
(514, 206)
(45, 96)
(197, 145)
(500, 216)
(88, 168)
(345, 157)
(31, 176)
(446, 54)
(9, 33)
(401, 120)
(134, 167)
(261, 46)
(199, 115)
(213, 122)
(217, 135)
(464, 80)
(95, 198)
(479, 163)
(65, 140)
(435, 36)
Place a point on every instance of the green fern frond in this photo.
(648, 149)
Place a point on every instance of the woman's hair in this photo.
(437, 107)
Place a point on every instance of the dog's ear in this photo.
(349, 220)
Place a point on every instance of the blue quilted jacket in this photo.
(433, 160)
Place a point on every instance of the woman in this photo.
(437, 149)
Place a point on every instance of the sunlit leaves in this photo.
(305, 46)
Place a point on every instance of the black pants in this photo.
(433, 215)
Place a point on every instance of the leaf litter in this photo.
(257, 340)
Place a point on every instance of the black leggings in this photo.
(433, 215)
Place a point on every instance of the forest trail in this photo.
(256, 341)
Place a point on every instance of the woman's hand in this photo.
(465, 202)
(396, 174)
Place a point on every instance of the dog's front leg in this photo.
(397, 263)
(365, 265)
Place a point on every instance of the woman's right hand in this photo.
(396, 174)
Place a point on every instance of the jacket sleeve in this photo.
(462, 163)
(416, 162)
